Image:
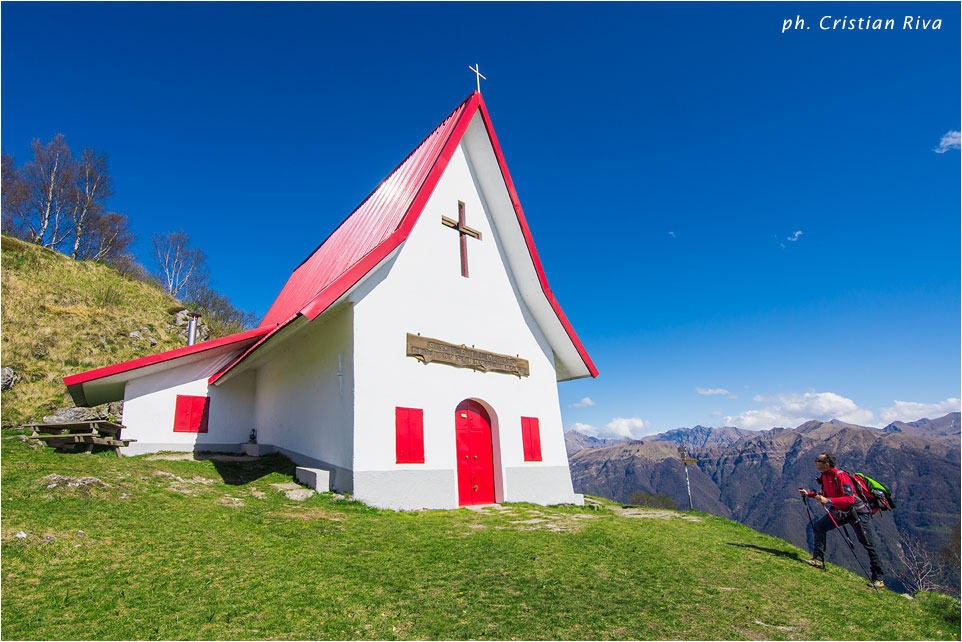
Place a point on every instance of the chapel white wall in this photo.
(303, 407)
(422, 291)
(150, 401)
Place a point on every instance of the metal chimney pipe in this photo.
(192, 328)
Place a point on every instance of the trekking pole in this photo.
(811, 521)
(851, 547)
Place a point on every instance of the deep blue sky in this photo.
(664, 155)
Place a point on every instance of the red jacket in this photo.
(839, 487)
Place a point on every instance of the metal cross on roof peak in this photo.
(478, 74)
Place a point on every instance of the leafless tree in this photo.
(47, 196)
(56, 197)
(219, 313)
(923, 567)
(12, 198)
(91, 188)
(106, 237)
(179, 267)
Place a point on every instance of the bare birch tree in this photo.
(46, 181)
(55, 198)
(106, 238)
(91, 188)
(180, 268)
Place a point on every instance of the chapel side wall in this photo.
(150, 401)
(422, 291)
(303, 408)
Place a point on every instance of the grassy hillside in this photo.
(174, 549)
(62, 316)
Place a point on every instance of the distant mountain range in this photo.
(575, 441)
(702, 436)
(753, 476)
(944, 430)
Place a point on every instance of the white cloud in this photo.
(913, 410)
(952, 140)
(715, 391)
(672, 235)
(585, 429)
(716, 413)
(759, 419)
(584, 403)
(762, 398)
(794, 409)
(712, 391)
(632, 428)
(794, 237)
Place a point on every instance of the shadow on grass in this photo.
(245, 470)
(770, 551)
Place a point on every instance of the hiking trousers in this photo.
(863, 531)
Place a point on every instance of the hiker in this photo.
(844, 507)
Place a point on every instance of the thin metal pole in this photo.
(688, 483)
(811, 522)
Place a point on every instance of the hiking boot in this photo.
(877, 584)
(816, 563)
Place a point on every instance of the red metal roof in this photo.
(369, 225)
(150, 360)
(75, 382)
(382, 222)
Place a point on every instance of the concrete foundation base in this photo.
(545, 485)
(257, 450)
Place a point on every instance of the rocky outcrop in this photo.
(8, 378)
(180, 324)
(75, 414)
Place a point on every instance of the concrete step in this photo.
(316, 478)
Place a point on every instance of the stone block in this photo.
(316, 478)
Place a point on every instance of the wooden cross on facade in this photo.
(463, 231)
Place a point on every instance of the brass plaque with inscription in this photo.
(427, 350)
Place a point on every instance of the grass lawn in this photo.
(210, 549)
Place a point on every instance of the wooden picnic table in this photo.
(86, 434)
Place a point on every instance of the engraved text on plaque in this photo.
(427, 350)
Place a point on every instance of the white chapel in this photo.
(415, 354)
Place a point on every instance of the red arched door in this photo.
(475, 458)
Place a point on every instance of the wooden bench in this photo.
(84, 435)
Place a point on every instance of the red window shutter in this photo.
(191, 413)
(182, 412)
(200, 414)
(525, 440)
(531, 438)
(409, 435)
